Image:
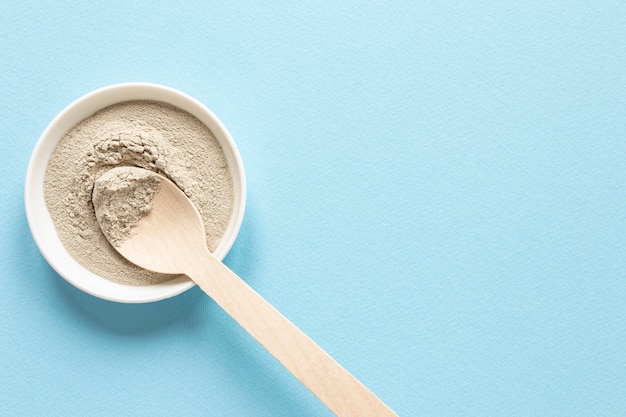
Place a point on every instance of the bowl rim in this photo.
(40, 222)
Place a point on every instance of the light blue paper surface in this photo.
(437, 196)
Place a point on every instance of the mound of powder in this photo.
(151, 135)
(121, 197)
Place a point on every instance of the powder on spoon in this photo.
(121, 197)
(147, 134)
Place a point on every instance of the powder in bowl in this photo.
(147, 134)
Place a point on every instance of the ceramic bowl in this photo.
(40, 222)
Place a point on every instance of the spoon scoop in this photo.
(153, 224)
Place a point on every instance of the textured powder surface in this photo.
(151, 135)
(121, 197)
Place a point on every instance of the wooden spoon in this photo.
(171, 239)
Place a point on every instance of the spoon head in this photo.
(169, 232)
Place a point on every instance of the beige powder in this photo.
(121, 197)
(150, 135)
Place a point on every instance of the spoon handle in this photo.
(342, 393)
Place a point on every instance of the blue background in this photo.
(437, 196)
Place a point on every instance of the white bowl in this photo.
(40, 222)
